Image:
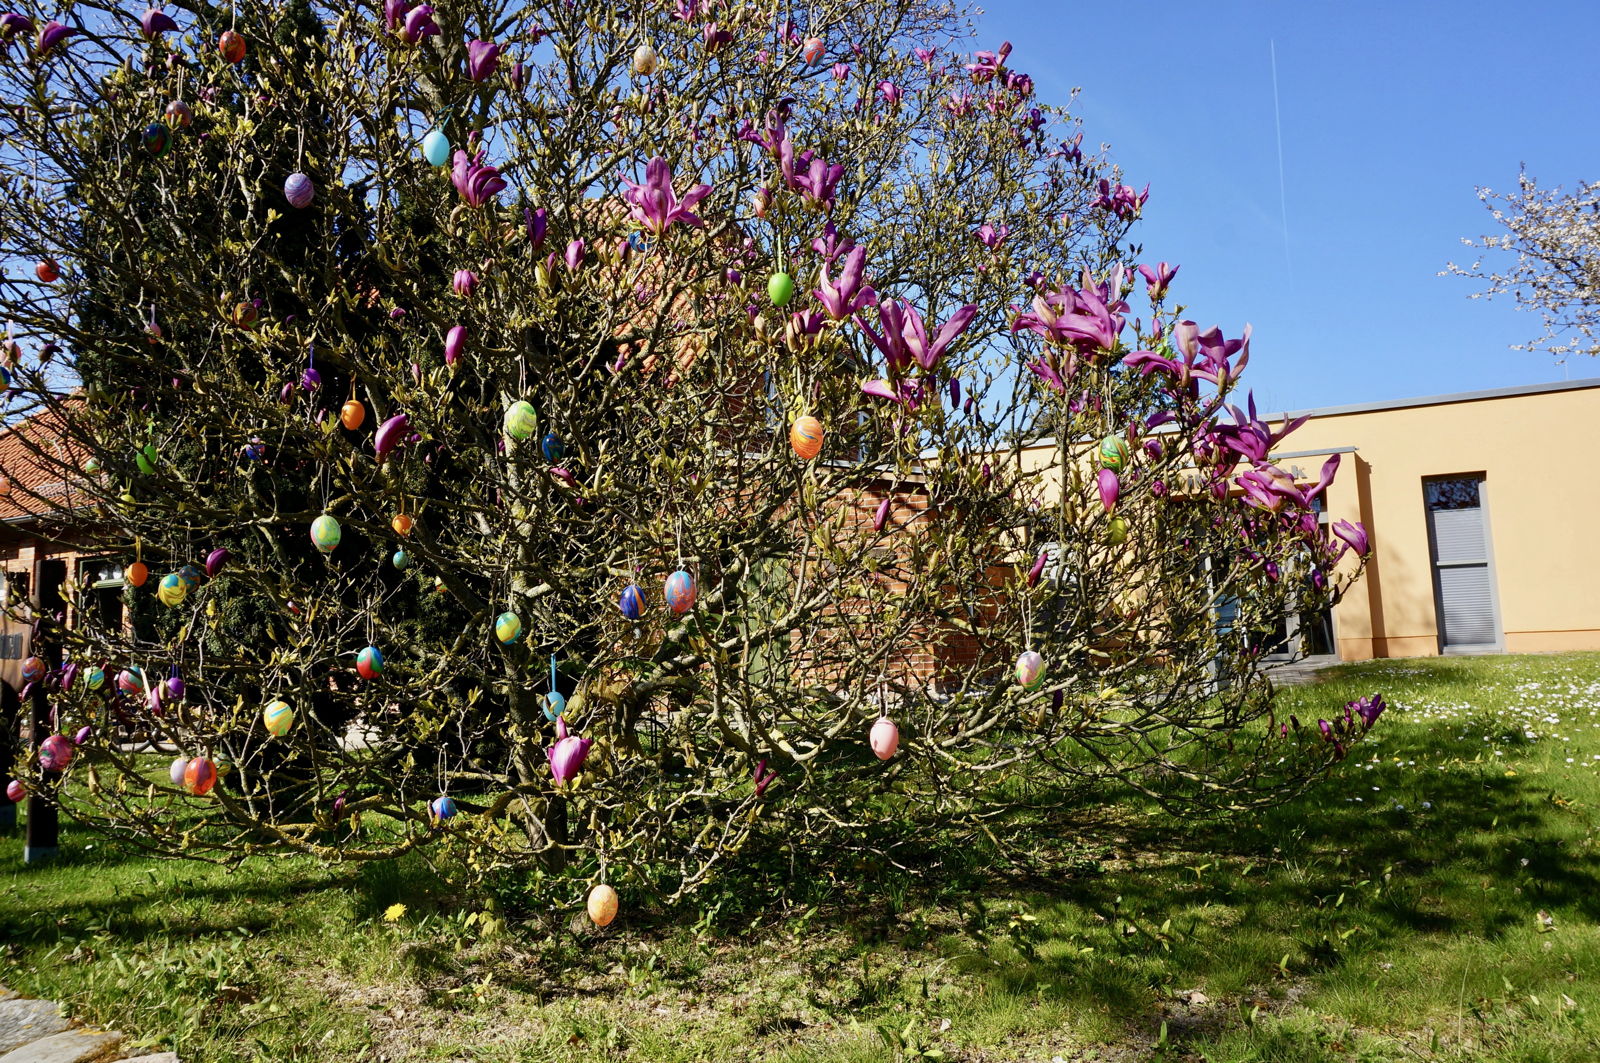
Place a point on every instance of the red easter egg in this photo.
(231, 45)
(805, 436)
(47, 270)
(200, 776)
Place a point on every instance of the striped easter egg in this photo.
(520, 420)
(508, 628)
(96, 678)
(129, 680)
(200, 776)
(443, 807)
(278, 717)
(173, 589)
(55, 753)
(1113, 452)
(33, 669)
(680, 592)
(805, 436)
(632, 601)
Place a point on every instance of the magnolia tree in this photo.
(1551, 246)
(605, 437)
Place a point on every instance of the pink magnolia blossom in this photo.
(477, 181)
(654, 204)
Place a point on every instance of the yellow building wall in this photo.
(1536, 454)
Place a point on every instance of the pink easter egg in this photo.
(884, 738)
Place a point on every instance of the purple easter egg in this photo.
(215, 560)
(55, 753)
(299, 190)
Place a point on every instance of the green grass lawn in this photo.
(1437, 898)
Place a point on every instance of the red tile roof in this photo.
(35, 453)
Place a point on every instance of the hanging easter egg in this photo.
(179, 114)
(96, 678)
(401, 560)
(172, 591)
(369, 662)
(602, 905)
(1113, 452)
(15, 791)
(884, 738)
(644, 60)
(680, 592)
(215, 560)
(146, 458)
(92, 467)
(157, 139)
(199, 776)
(443, 807)
(555, 705)
(1030, 670)
(129, 680)
(436, 148)
(1117, 531)
(520, 420)
(33, 669)
(780, 289)
(326, 533)
(402, 524)
(246, 316)
(508, 628)
(812, 50)
(805, 436)
(137, 573)
(55, 753)
(352, 414)
(224, 768)
(632, 601)
(552, 447)
(278, 717)
(255, 450)
(231, 45)
(176, 769)
(47, 270)
(190, 576)
(176, 687)
(299, 190)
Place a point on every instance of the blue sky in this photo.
(1392, 114)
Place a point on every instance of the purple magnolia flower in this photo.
(1021, 84)
(991, 237)
(715, 37)
(849, 296)
(1158, 279)
(908, 393)
(568, 754)
(1122, 200)
(455, 341)
(53, 34)
(1368, 708)
(1110, 488)
(1354, 536)
(841, 71)
(536, 222)
(892, 94)
(654, 204)
(989, 64)
(1047, 372)
(958, 104)
(519, 75)
(477, 182)
(464, 282)
(830, 245)
(574, 255)
(905, 338)
(763, 778)
(818, 182)
(419, 24)
(14, 25)
(154, 22)
(1037, 570)
(1327, 730)
(1088, 320)
(925, 55)
(483, 59)
(881, 517)
(394, 12)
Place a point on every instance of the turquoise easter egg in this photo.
(436, 148)
(508, 628)
(326, 533)
(401, 560)
(555, 704)
(521, 420)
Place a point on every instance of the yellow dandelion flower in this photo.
(393, 913)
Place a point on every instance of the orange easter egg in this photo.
(352, 414)
(805, 436)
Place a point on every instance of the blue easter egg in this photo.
(555, 704)
(552, 446)
(680, 593)
(443, 807)
(401, 560)
(632, 601)
(436, 148)
(508, 628)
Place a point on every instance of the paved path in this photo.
(34, 1031)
